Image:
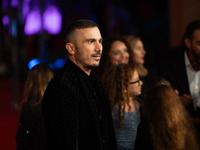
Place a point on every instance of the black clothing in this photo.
(76, 112)
(174, 70)
(30, 132)
(143, 138)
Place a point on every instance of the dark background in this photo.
(147, 19)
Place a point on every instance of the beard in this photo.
(195, 54)
(87, 62)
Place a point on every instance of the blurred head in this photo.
(192, 39)
(167, 120)
(122, 82)
(137, 48)
(116, 51)
(159, 94)
(84, 44)
(37, 80)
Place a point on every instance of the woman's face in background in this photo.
(118, 53)
(139, 52)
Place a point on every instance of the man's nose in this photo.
(98, 47)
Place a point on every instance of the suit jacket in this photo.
(174, 70)
(72, 112)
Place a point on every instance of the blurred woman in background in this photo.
(30, 132)
(115, 51)
(138, 54)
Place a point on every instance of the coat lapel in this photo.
(181, 75)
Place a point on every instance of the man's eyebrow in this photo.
(93, 39)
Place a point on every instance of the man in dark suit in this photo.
(76, 108)
(183, 71)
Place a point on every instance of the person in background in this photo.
(165, 124)
(183, 71)
(76, 107)
(138, 54)
(123, 85)
(30, 132)
(116, 51)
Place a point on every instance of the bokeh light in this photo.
(32, 63)
(33, 22)
(52, 20)
(5, 21)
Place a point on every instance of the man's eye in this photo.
(89, 41)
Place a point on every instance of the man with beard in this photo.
(76, 109)
(183, 71)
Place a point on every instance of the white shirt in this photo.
(194, 82)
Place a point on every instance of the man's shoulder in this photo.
(64, 80)
(65, 73)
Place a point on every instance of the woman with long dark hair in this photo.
(30, 132)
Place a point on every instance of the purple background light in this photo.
(14, 3)
(5, 21)
(25, 10)
(4, 4)
(52, 20)
(33, 23)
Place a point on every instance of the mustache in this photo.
(97, 54)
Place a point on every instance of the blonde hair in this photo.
(37, 80)
(131, 40)
(168, 122)
(116, 81)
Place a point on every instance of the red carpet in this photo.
(9, 117)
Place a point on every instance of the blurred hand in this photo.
(176, 91)
(186, 99)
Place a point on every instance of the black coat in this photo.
(30, 132)
(143, 138)
(174, 70)
(76, 112)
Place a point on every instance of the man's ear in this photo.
(187, 42)
(70, 48)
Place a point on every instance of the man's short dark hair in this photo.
(79, 24)
(191, 27)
